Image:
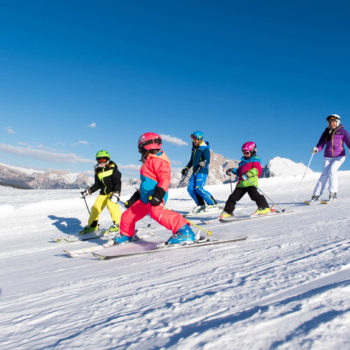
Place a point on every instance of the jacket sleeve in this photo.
(190, 163)
(206, 156)
(347, 138)
(256, 170)
(96, 185)
(322, 141)
(117, 183)
(163, 173)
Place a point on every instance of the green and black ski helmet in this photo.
(102, 154)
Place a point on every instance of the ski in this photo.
(248, 217)
(328, 201)
(75, 253)
(86, 237)
(208, 210)
(102, 234)
(147, 247)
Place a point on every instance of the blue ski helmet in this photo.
(197, 135)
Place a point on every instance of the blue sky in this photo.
(79, 76)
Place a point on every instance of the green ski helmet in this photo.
(102, 154)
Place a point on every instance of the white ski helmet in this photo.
(334, 117)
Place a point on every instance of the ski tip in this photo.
(100, 257)
(68, 253)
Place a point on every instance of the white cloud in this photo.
(85, 143)
(10, 131)
(129, 166)
(92, 125)
(174, 140)
(44, 155)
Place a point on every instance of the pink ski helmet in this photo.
(149, 141)
(249, 146)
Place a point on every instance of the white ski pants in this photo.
(329, 173)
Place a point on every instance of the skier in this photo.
(108, 180)
(200, 159)
(248, 172)
(333, 139)
(150, 199)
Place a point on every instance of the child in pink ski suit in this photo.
(151, 197)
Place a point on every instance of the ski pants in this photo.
(196, 189)
(167, 218)
(239, 192)
(330, 174)
(101, 202)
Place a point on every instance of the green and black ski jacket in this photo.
(107, 179)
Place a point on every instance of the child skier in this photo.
(151, 197)
(108, 180)
(200, 159)
(248, 173)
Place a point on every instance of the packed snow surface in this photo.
(286, 287)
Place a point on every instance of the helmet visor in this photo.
(102, 160)
(332, 118)
(195, 137)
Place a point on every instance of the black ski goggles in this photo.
(332, 118)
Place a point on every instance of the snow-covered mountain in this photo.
(284, 167)
(37, 179)
(59, 179)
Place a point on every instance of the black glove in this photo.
(157, 196)
(184, 171)
(85, 193)
(230, 172)
(134, 198)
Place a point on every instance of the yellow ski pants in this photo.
(101, 202)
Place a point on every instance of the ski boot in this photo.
(199, 208)
(332, 195)
(88, 229)
(184, 235)
(119, 238)
(225, 215)
(315, 198)
(113, 229)
(263, 211)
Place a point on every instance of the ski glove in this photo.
(134, 198)
(314, 150)
(85, 193)
(202, 164)
(184, 171)
(115, 197)
(230, 172)
(157, 196)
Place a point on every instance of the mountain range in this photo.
(59, 179)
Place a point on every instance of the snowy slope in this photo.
(286, 287)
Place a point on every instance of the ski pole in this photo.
(259, 189)
(201, 228)
(308, 166)
(182, 181)
(87, 207)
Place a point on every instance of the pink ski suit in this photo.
(155, 171)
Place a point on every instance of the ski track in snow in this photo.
(286, 287)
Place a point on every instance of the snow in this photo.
(286, 287)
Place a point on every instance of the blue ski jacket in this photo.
(200, 154)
